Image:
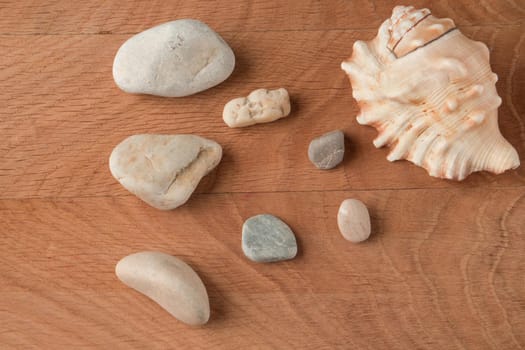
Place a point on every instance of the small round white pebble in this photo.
(353, 220)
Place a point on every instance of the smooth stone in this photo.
(261, 106)
(353, 220)
(168, 281)
(163, 170)
(174, 59)
(266, 238)
(328, 150)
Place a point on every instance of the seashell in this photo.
(431, 94)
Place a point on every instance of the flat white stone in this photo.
(163, 170)
(261, 106)
(170, 282)
(353, 220)
(174, 59)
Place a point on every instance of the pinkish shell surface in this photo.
(431, 94)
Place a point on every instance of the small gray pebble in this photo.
(266, 238)
(327, 151)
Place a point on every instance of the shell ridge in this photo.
(430, 93)
(429, 42)
(401, 38)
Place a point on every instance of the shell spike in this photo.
(431, 94)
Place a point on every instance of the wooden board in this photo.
(444, 268)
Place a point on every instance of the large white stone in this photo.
(174, 59)
(163, 170)
(168, 281)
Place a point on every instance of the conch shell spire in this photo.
(431, 94)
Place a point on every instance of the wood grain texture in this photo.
(103, 17)
(443, 269)
(68, 114)
(428, 277)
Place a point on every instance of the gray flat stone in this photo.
(266, 238)
(328, 150)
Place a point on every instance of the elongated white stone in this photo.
(170, 282)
